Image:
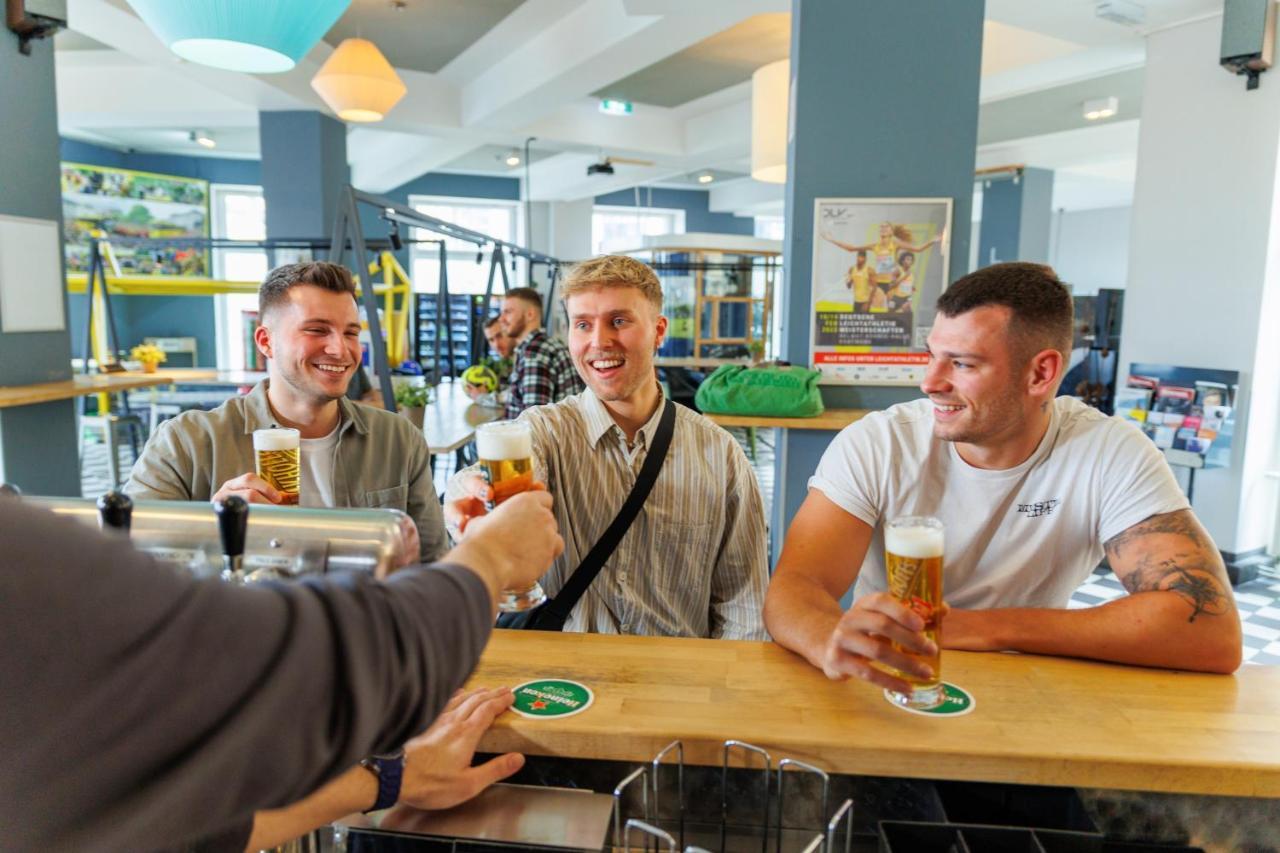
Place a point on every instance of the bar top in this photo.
(79, 385)
(1036, 720)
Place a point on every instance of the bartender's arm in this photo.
(1179, 614)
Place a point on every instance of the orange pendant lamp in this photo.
(358, 83)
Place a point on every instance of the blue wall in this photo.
(217, 170)
(698, 217)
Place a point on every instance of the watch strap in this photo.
(389, 770)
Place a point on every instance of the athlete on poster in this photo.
(878, 267)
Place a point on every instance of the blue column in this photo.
(1016, 212)
(38, 450)
(884, 105)
(304, 170)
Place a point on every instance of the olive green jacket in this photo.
(381, 460)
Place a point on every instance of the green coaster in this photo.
(551, 697)
(956, 702)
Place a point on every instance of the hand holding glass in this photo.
(913, 563)
(505, 449)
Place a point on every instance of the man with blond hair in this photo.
(692, 563)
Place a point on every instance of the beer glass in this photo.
(276, 453)
(505, 449)
(913, 563)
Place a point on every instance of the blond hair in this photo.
(614, 271)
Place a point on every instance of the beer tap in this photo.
(9, 490)
(233, 523)
(115, 511)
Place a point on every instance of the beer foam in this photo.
(275, 439)
(504, 440)
(914, 542)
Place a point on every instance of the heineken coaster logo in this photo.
(552, 698)
(956, 702)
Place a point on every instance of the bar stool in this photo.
(111, 424)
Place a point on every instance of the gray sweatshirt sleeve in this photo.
(142, 709)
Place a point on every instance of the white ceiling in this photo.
(508, 70)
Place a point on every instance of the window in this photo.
(499, 219)
(771, 227)
(620, 229)
(239, 213)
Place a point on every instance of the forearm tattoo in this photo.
(1191, 567)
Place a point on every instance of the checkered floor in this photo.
(1258, 600)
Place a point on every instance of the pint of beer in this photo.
(505, 449)
(276, 452)
(913, 562)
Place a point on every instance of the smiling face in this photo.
(312, 339)
(977, 390)
(614, 332)
(518, 318)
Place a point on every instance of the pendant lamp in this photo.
(770, 94)
(252, 36)
(357, 82)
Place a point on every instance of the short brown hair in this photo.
(526, 294)
(1040, 304)
(614, 271)
(275, 289)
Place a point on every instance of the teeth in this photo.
(949, 408)
(331, 368)
(605, 365)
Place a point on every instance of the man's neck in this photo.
(528, 333)
(311, 418)
(635, 411)
(1011, 449)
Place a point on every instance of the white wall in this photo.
(1090, 248)
(1205, 260)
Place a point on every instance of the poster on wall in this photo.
(125, 204)
(879, 265)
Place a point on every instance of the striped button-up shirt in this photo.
(543, 373)
(693, 562)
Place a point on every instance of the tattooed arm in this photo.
(1179, 613)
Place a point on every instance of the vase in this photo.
(149, 366)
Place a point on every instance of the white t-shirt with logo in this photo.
(317, 457)
(1022, 537)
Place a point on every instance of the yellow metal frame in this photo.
(396, 291)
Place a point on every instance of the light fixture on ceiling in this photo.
(1124, 12)
(512, 158)
(204, 139)
(613, 107)
(1100, 108)
(241, 35)
(604, 167)
(358, 83)
(770, 94)
(706, 178)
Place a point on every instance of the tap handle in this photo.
(9, 490)
(233, 522)
(115, 511)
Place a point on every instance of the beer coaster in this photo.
(956, 702)
(551, 697)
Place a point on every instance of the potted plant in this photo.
(149, 355)
(411, 400)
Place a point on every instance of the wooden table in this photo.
(451, 418)
(79, 385)
(831, 419)
(1036, 720)
(210, 376)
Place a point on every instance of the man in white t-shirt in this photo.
(1033, 491)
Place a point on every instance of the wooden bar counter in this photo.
(1036, 720)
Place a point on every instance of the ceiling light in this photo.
(609, 106)
(204, 139)
(770, 92)
(241, 35)
(706, 178)
(513, 159)
(358, 83)
(1124, 12)
(1100, 108)
(604, 167)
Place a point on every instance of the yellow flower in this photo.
(147, 354)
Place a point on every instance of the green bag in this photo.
(779, 391)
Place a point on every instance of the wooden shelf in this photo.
(1036, 720)
(831, 419)
(80, 385)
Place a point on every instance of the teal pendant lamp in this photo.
(253, 36)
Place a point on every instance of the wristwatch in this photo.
(389, 770)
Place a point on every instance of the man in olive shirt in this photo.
(144, 709)
(352, 455)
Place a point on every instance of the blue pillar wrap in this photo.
(38, 451)
(885, 105)
(1016, 218)
(304, 170)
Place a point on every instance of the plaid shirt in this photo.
(544, 373)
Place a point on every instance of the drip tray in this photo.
(504, 814)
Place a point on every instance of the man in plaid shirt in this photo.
(544, 371)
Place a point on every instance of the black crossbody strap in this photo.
(552, 615)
